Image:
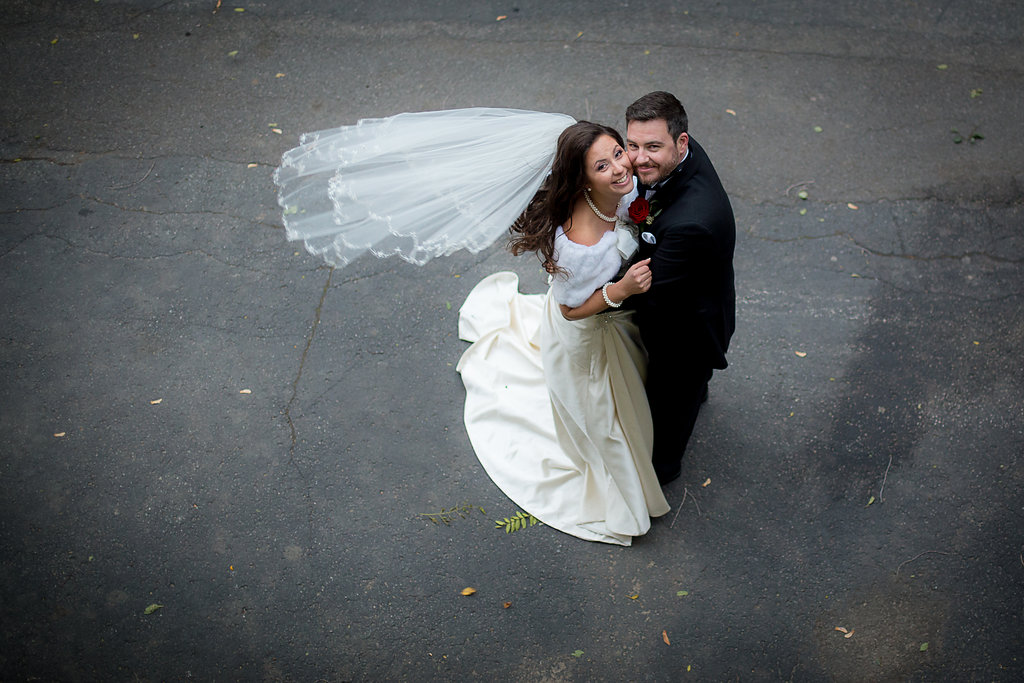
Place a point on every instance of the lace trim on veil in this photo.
(419, 185)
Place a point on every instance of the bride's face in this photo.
(607, 167)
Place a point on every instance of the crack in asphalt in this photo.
(887, 254)
(291, 401)
(121, 257)
(144, 210)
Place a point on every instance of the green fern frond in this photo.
(520, 520)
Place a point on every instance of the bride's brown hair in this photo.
(552, 206)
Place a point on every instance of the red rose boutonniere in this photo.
(640, 211)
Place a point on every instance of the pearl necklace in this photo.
(608, 219)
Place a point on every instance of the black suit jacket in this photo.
(689, 314)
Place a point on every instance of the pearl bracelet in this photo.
(604, 293)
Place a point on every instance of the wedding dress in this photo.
(555, 409)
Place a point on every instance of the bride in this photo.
(555, 402)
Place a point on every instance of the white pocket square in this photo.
(648, 237)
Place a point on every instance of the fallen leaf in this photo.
(239, 9)
(942, 67)
(468, 591)
(634, 597)
(851, 206)
(60, 434)
(579, 34)
(682, 593)
(854, 275)
(841, 629)
(976, 343)
(507, 605)
(706, 482)
(870, 501)
(156, 401)
(152, 608)
(802, 354)
(924, 647)
(975, 92)
(276, 130)
(577, 653)
(664, 636)
(730, 111)
(802, 194)
(135, 36)
(503, 16)
(252, 165)
(803, 212)
(54, 41)
(245, 391)
(279, 75)
(850, 634)
(818, 129)
(233, 53)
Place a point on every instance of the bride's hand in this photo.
(637, 279)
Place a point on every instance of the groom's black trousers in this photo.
(675, 391)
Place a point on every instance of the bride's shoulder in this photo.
(581, 240)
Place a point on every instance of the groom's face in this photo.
(652, 150)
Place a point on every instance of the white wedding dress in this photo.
(556, 409)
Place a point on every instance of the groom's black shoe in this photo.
(666, 477)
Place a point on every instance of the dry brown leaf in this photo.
(468, 591)
(252, 165)
(245, 391)
(279, 75)
(507, 605)
(800, 353)
(730, 111)
(60, 434)
(841, 629)
(852, 206)
(706, 482)
(664, 636)
(155, 401)
(276, 130)
(503, 16)
(850, 634)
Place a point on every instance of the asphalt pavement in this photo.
(223, 460)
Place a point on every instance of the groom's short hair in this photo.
(660, 105)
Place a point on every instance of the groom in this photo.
(689, 314)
